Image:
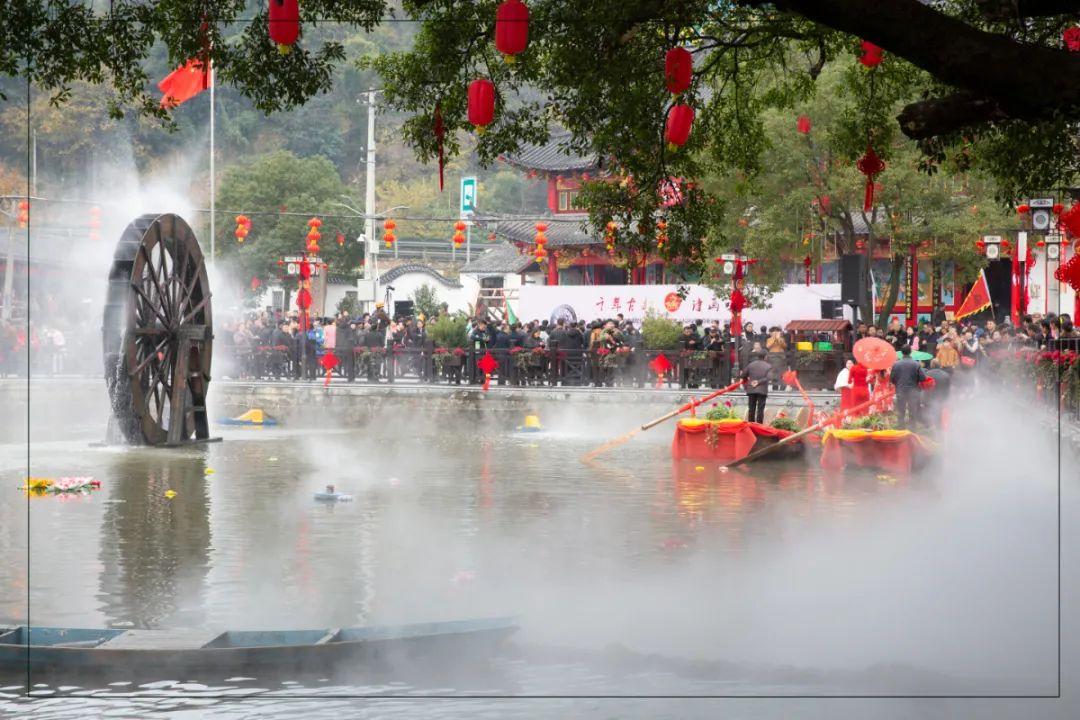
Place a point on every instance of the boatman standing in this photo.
(756, 377)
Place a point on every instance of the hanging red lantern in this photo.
(459, 233)
(1058, 207)
(481, 104)
(340, 237)
(807, 262)
(802, 124)
(23, 217)
(661, 234)
(678, 70)
(255, 283)
(871, 166)
(388, 232)
(680, 119)
(980, 245)
(305, 269)
(1069, 221)
(860, 245)
(609, 237)
(303, 299)
(243, 227)
(284, 24)
(95, 223)
(872, 55)
(1040, 243)
(1023, 209)
(511, 29)
(1071, 38)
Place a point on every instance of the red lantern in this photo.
(243, 227)
(678, 70)
(679, 121)
(255, 283)
(1058, 207)
(661, 234)
(284, 23)
(872, 55)
(340, 239)
(803, 125)
(807, 262)
(1023, 209)
(860, 245)
(511, 29)
(305, 270)
(24, 213)
(481, 103)
(388, 232)
(95, 223)
(1071, 37)
(980, 245)
(303, 299)
(1069, 221)
(1040, 243)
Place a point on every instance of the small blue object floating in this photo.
(255, 417)
(331, 495)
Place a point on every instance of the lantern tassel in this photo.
(440, 133)
(868, 196)
(487, 381)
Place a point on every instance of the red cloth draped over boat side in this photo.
(897, 452)
(734, 440)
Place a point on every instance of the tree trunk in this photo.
(892, 292)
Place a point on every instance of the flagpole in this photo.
(210, 64)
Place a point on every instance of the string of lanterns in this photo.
(459, 233)
(243, 228)
(313, 235)
(661, 234)
(388, 232)
(23, 217)
(609, 237)
(541, 242)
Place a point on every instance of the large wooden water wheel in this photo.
(158, 334)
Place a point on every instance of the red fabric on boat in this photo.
(734, 440)
(896, 453)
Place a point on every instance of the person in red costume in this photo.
(859, 393)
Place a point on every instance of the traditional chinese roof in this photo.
(395, 273)
(503, 258)
(553, 156)
(561, 231)
(817, 325)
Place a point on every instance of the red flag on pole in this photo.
(184, 83)
(978, 298)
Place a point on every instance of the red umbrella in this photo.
(874, 353)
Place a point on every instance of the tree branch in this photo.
(1014, 9)
(938, 116)
(1023, 80)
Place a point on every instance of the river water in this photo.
(632, 575)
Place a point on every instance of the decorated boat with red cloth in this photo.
(727, 440)
(899, 451)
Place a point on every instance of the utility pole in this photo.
(213, 189)
(369, 196)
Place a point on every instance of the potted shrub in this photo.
(659, 334)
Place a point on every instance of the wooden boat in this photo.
(899, 451)
(727, 440)
(195, 654)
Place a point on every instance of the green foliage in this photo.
(873, 421)
(722, 412)
(448, 332)
(785, 423)
(659, 333)
(278, 182)
(349, 304)
(426, 300)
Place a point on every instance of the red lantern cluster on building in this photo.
(541, 241)
(23, 218)
(661, 234)
(679, 121)
(95, 223)
(284, 23)
(313, 235)
(243, 227)
(511, 29)
(678, 70)
(609, 236)
(459, 233)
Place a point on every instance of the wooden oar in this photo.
(593, 454)
(795, 436)
(692, 404)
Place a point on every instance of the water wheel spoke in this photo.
(150, 304)
(191, 314)
(157, 283)
(150, 356)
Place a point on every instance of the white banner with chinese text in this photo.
(696, 302)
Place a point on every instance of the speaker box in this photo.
(403, 308)
(852, 279)
(832, 310)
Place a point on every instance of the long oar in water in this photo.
(835, 418)
(591, 455)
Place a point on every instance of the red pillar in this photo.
(552, 269)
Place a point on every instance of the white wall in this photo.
(405, 285)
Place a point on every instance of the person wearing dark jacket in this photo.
(756, 377)
(935, 399)
(906, 375)
(346, 342)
